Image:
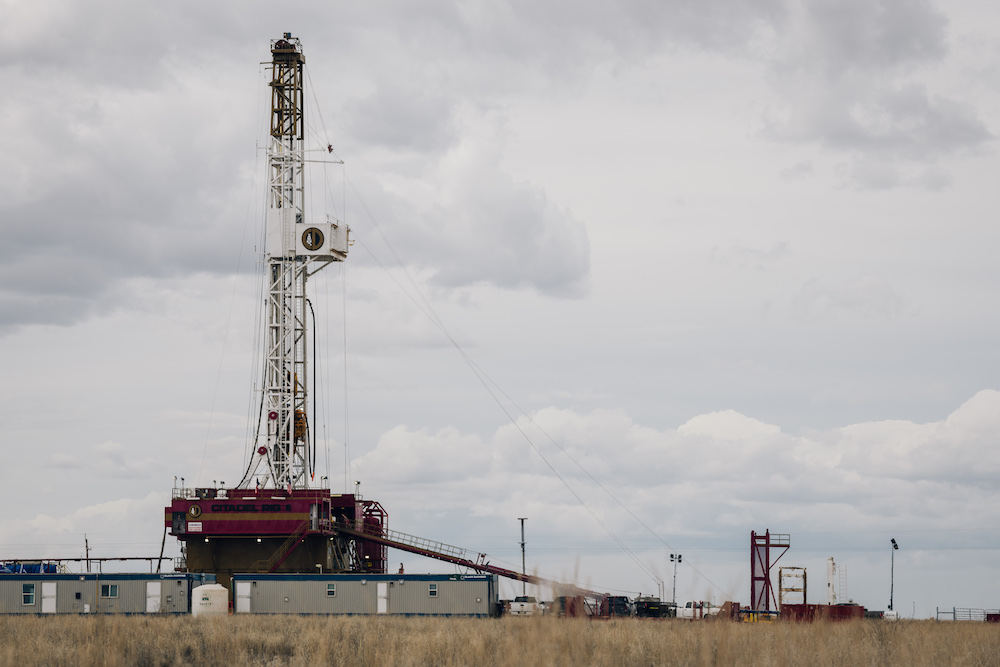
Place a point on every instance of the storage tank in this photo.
(210, 600)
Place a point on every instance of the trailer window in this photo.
(109, 590)
(27, 594)
(432, 590)
(331, 590)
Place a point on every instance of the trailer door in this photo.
(48, 597)
(242, 597)
(153, 596)
(383, 597)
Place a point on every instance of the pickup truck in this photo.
(525, 605)
(649, 607)
(697, 610)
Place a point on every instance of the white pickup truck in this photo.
(697, 610)
(525, 605)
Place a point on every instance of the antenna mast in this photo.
(295, 249)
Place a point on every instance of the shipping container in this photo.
(821, 612)
(99, 593)
(396, 594)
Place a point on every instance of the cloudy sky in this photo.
(722, 266)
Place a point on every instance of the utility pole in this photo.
(524, 570)
(675, 559)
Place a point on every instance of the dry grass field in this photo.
(278, 640)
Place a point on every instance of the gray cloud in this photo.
(904, 122)
(134, 124)
(846, 35)
(112, 461)
(635, 25)
(119, 44)
(129, 124)
(748, 257)
(59, 460)
(799, 170)
(469, 222)
(511, 235)
(867, 296)
(519, 39)
(875, 172)
(113, 182)
(428, 56)
(403, 117)
(850, 77)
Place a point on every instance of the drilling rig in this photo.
(273, 520)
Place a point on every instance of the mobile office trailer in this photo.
(361, 594)
(99, 593)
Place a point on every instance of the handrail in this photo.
(282, 552)
(359, 526)
(449, 553)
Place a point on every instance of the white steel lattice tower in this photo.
(295, 248)
(836, 583)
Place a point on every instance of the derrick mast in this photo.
(295, 248)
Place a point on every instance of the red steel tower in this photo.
(765, 551)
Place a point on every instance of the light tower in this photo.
(675, 559)
(296, 247)
(892, 570)
(524, 570)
